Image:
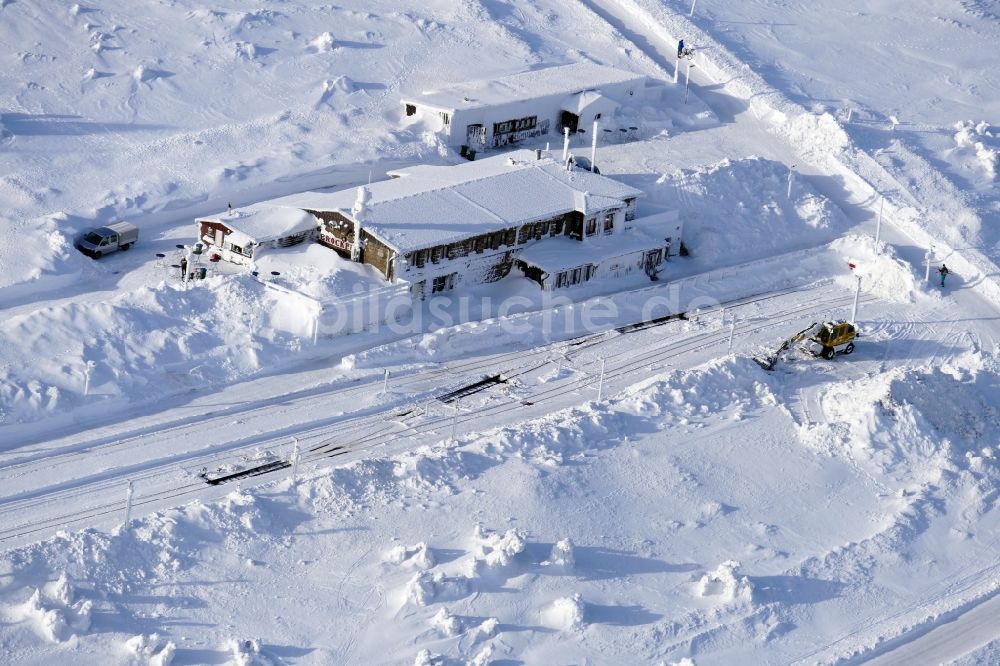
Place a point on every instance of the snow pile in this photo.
(142, 345)
(725, 584)
(249, 653)
(494, 549)
(947, 415)
(728, 386)
(561, 555)
(565, 614)
(739, 210)
(55, 615)
(984, 144)
(151, 650)
(882, 272)
(446, 623)
(426, 588)
(323, 43)
(416, 556)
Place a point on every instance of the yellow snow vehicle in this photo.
(824, 339)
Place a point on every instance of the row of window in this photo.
(515, 125)
(507, 237)
(575, 276)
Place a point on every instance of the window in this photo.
(496, 240)
(510, 237)
(540, 229)
(591, 226)
(557, 227)
(524, 234)
(480, 244)
(446, 118)
(440, 284)
(576, 276)
(436, 254)
(419, 257)
(609, 223)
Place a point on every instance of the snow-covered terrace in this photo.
(560, 254)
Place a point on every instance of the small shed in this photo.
(238, 235)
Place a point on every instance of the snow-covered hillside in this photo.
(601, 474)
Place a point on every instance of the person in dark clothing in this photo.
(680, 49)
(943, 272)
(184, 267)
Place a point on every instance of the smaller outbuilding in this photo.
(499, 112)
(240, 234)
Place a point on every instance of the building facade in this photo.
(504, 111)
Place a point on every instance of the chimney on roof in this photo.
(580, 201)
(361, 203)
(565, 144)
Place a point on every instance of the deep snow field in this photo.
(616, 493)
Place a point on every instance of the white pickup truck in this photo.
(103, 240)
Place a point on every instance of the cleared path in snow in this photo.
(948, 640)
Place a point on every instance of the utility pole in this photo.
(687, 81)
(565, 145)
(88, 368)
(128, 503)
(454, 424)
(791, 177)
(295, 458)
(600, 382)
(593, 149)
(878, 225)
(927, 257)
(854, 309)
(693, 4)
(732, 331)
(385, 383)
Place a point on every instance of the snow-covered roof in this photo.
(563, 253)
(564, 79)
(578, 102)
(435, 205)
(264, 222)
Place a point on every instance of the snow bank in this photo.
(947, 415)
(739, 210)
(142, 345)
(729, 386)
(883, 273)
(53, 612)
(983, 144)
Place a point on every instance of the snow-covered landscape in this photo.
(428, 391)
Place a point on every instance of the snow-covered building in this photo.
(437, 226)
(240, 234)
(491, 113)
